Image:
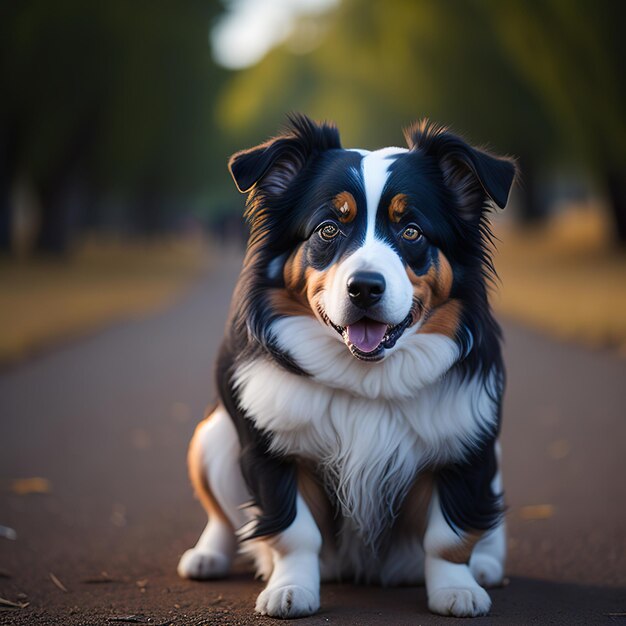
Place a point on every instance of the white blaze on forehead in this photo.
(375, 168)
(373, 255)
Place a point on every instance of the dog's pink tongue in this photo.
(366, 334)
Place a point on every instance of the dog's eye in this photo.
(328, 231)
(411, 233)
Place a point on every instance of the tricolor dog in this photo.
(360, 379)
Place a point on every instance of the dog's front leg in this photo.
(293, 589)
(450, 585)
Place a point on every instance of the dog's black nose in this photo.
(366, 288)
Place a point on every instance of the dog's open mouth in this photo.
(367, 339)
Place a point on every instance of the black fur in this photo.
(494, 174)
(283, 157)
(466, 498)
(472, 177)
(271, 479)
(280, 221)
(291, 181)
(267, 172)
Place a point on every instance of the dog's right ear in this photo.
(272, 166)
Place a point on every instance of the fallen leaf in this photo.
(559, 449)
(133, 619)
(8, 533)
(58, 583)
(180, 412)
(118, 515)
(140, 439)
(25, 486)
(98, 580)
(537, 511)
(13, 605)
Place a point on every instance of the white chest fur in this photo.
(369, 427)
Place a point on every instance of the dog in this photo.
(360, 379)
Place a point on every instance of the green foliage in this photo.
(572, 52)
(121, 90)
(382, 65)
(540, 79)
(123, 94)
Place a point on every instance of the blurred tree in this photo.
(117, 99)
(572, 53)
(8, 141)
(106, 98)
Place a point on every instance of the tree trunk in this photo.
(533, 208)
(60, 211)
(6, 215)
(616, 187)
(55, 230)
(8, 158)
(149, 211)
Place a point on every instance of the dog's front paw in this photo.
(487, 570)
(199, 565)
(287, 602)
(460, 601)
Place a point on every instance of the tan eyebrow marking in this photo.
(398, 206)
(346, 206)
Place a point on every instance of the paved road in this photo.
(107, 420)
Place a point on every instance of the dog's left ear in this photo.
(272, 166)
(473, 174)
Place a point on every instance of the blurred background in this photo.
(117, 119)
(118, 215)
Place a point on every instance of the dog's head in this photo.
(370, 243)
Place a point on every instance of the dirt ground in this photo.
(106, 420)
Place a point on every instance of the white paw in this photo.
(200, 565)
(487, 570)
(459, 601)
(287, 602)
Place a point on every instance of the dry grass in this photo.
(43, 302)
(567, 279)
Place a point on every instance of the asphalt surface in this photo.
(106, 421)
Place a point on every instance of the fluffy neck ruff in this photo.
(368, 432)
